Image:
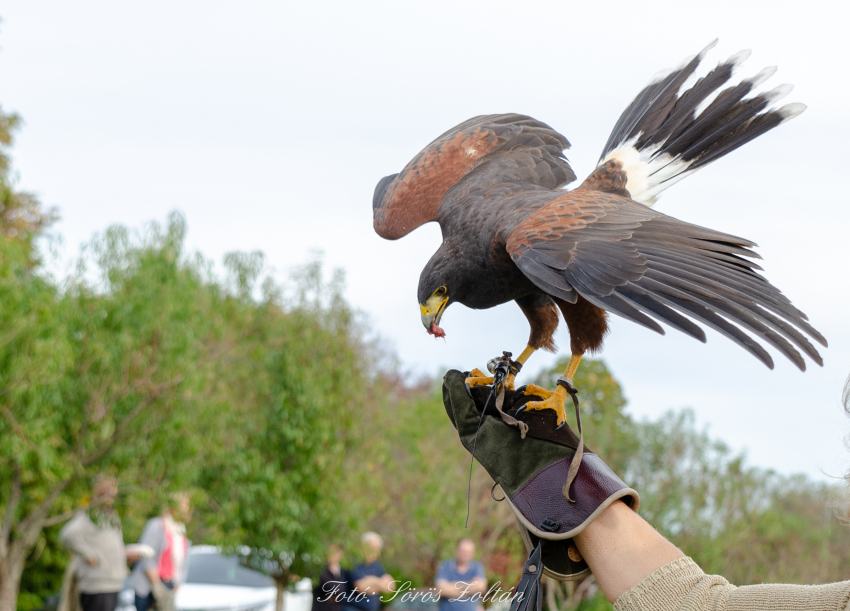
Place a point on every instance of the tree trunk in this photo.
(280, 584)
(11, 570)
(551, 585)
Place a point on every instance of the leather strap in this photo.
(567, 385)
(529, 594)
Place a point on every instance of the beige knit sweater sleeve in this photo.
(682, 586)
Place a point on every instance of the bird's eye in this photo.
(440, 292)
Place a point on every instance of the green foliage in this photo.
(158, 373)
(267, 404)
(97, 376)
(596, 602)
(417, 477)
(748, 524)
(290, 388)
(21, 215)
(265, 401)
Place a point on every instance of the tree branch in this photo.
(35, 521)
(61, 517)
(32, 525)
(17, 427)
(14, 499)
(152, 395)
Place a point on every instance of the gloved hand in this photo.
(532, 471)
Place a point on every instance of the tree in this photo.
(21, 215)
(749, 524)
(291, 389)
(94, 377)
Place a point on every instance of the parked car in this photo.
(216, 582)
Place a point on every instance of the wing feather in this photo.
(750, 319)
(643, 265)
(526, 149)
(647, 302)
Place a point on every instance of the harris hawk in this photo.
(495, 184)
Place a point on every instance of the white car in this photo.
(219, 583)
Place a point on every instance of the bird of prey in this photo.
(495, 184)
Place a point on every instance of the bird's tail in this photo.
(679, 123)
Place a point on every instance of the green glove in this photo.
(531, 463)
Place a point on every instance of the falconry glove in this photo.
(531, 464)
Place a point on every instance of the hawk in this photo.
(495, 184)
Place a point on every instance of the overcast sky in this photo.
(268, 125)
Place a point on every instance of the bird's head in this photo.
(438, 288)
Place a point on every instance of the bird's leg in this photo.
(553, 399)
(479, 378)
(521, 359)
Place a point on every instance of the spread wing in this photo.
(481, 151)
(646, 266)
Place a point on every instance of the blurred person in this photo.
(460, 578)
(98, 571)
(329, 594)
(157, 579)
(369, 577)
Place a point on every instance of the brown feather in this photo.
(588, 325)
(608, 178)
(542, 315)
(414, 197)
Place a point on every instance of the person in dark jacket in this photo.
(369, 579)
(329, 594)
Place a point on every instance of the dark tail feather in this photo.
(671, 130)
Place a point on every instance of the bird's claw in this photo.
(553, 400)
(537, 391)
(478, 378)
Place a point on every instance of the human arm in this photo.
(640, 569)
(371, 583)
(73, 537)
(449, 587)
(622, 549)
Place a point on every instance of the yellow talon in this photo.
(553, 400)
(478, 378)
(537, 391)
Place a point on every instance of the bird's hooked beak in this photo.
(432, 310)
